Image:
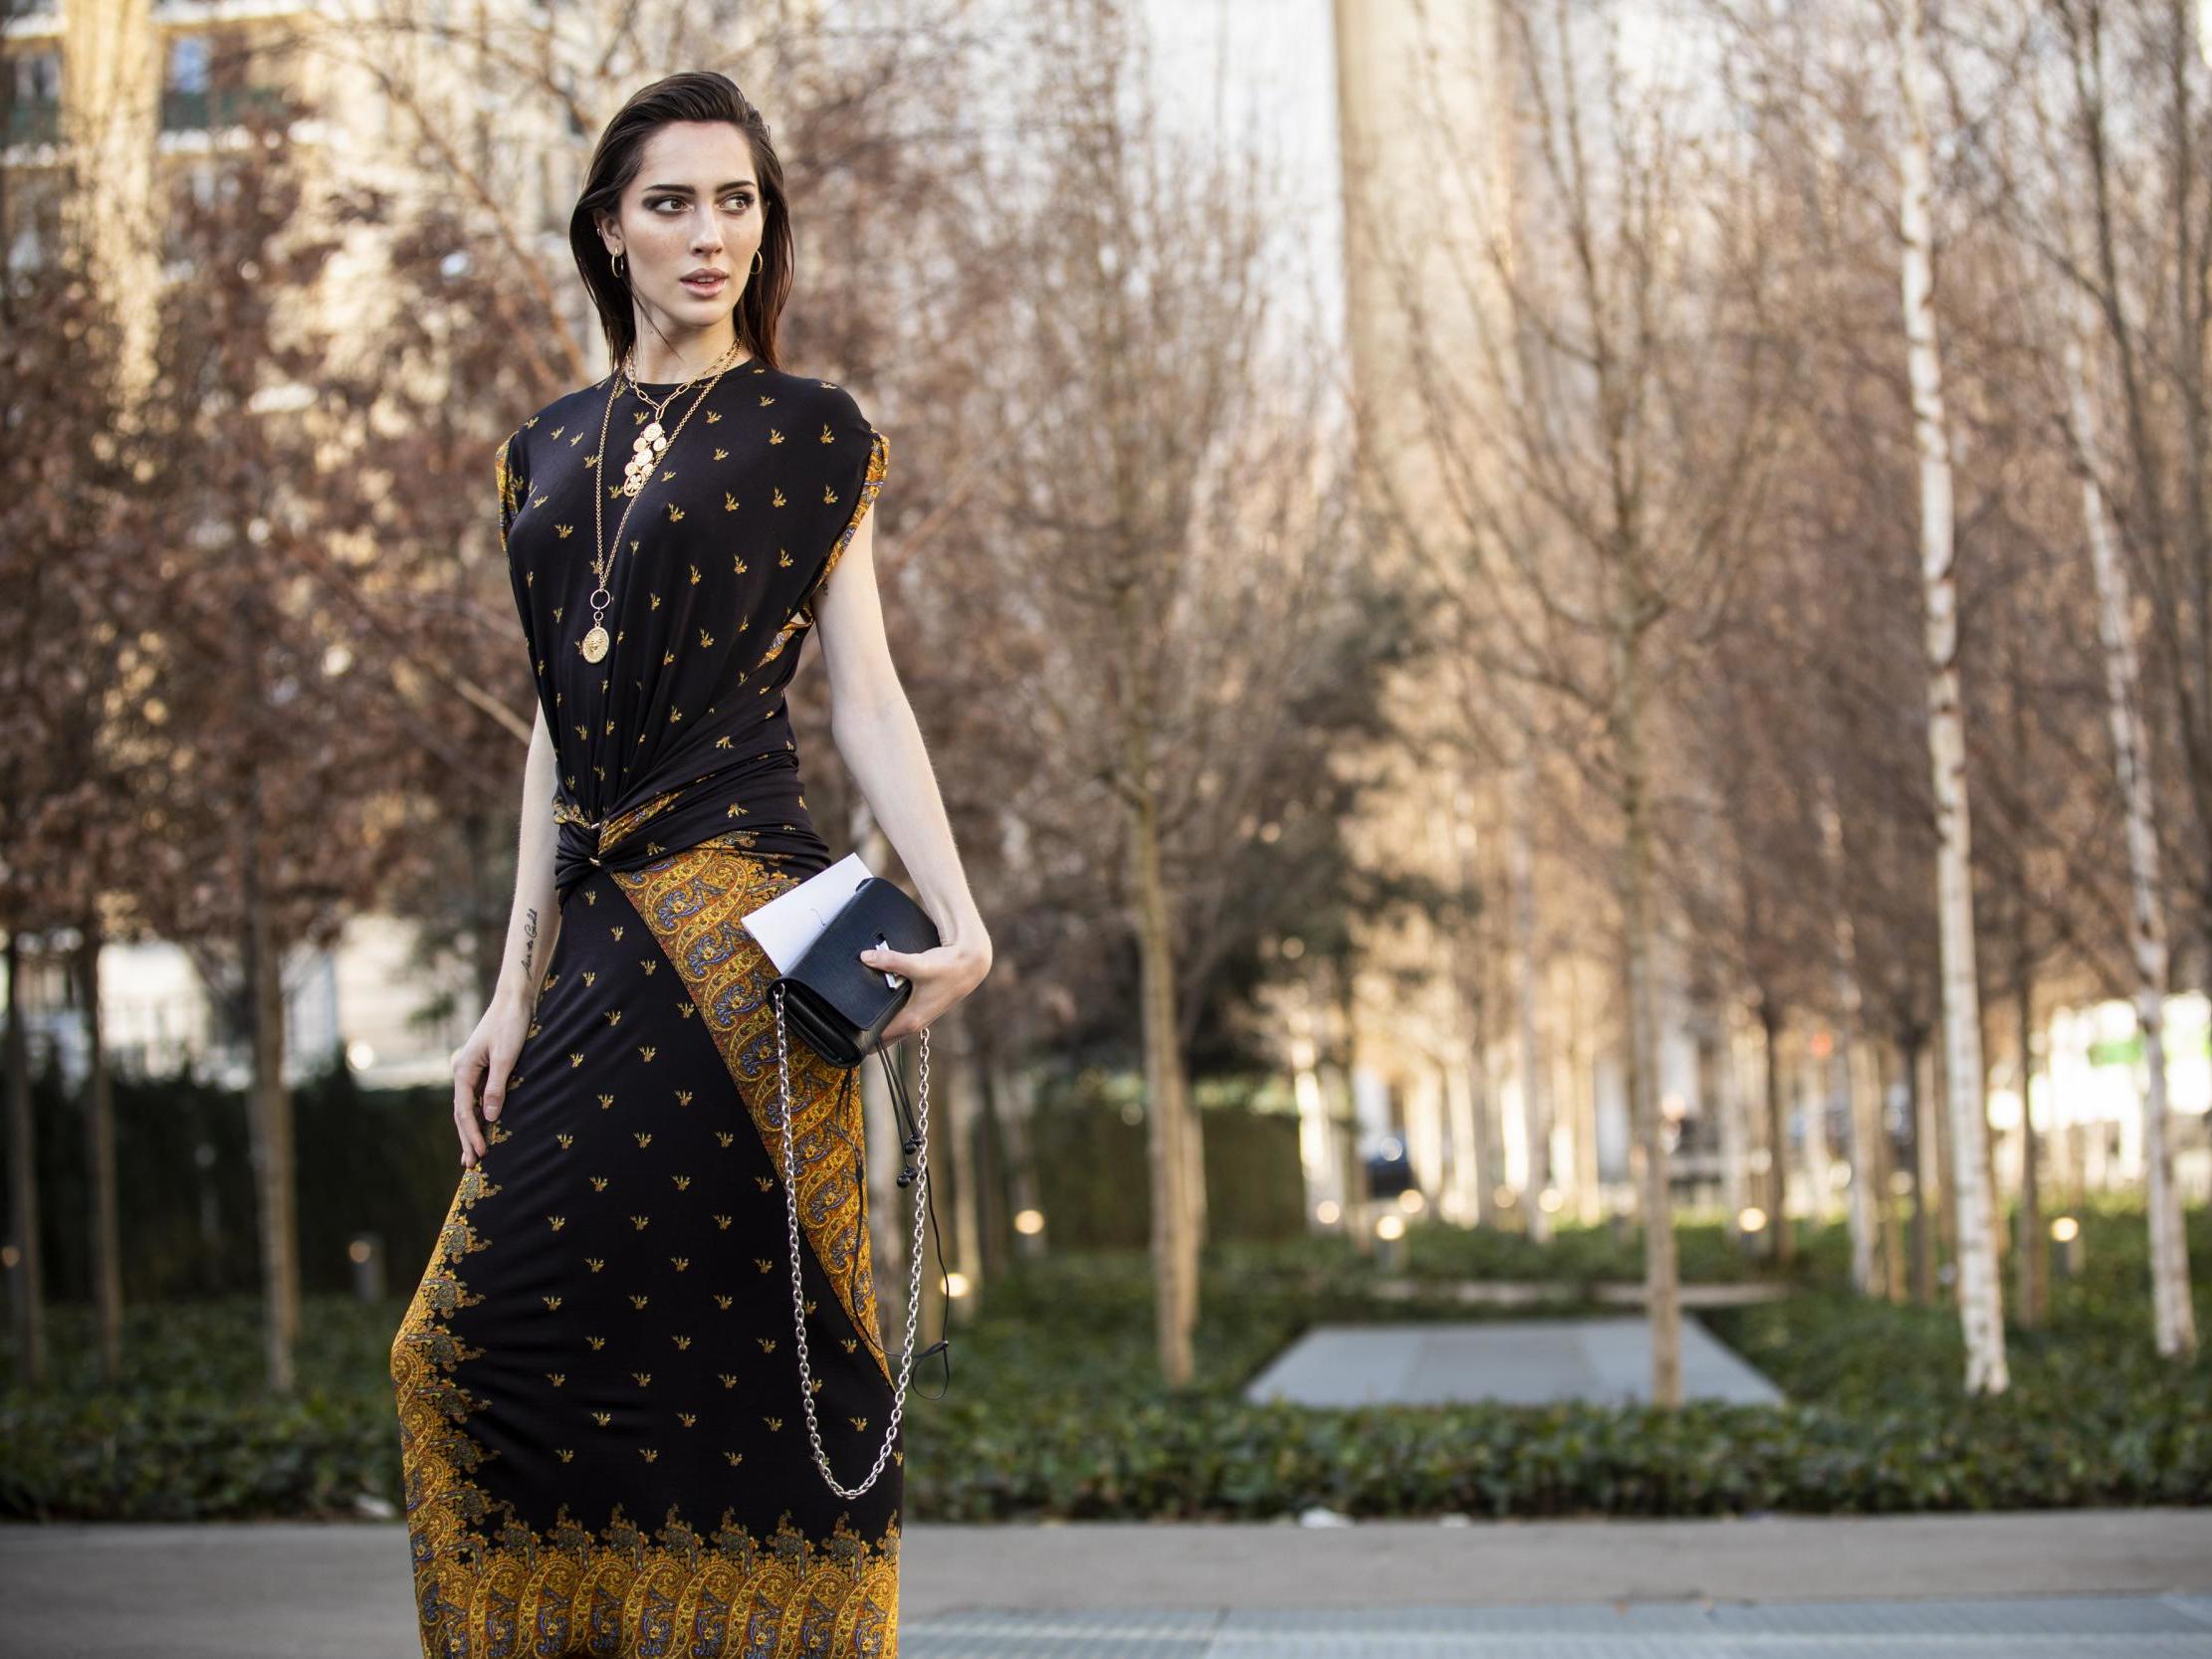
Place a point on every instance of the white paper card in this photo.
(792, 921)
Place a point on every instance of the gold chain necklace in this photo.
(652, 442)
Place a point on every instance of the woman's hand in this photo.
(481, 1068)
(941, 976)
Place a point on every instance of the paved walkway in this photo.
(2066, 1628)
(1532, 1361)
(2092, 1584)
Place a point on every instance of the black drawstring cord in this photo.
(911, 1143)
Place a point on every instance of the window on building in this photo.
(189, 57)
(35, 114)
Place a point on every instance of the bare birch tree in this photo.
(2173, 1317)
(1980, 1295)
(2086, 307)
(2118, 285)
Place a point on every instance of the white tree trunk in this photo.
(1536, 1097)
(1317, 1141)
(1819, 1175)
(1980, 1295)
(1485, 1099)
(1860, 1090)
(2172, 1314)
(1466, 1155)
(1589, 1191)
(1735, 1148)
(1662, 1284)
(1167, 1104)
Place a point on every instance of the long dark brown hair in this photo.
(691, 95)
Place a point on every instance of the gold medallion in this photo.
(595, 644)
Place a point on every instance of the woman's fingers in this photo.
(918, 964)
(494, 1087)
(900, 963)
(963, 964)
(483, 1067)
(467, 1068)
(942, 975)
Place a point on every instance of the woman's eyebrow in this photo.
(734, 184)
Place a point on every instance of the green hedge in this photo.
(382, 1161)
(1055, 1409)
(1087, 1141)
(1878, 1420)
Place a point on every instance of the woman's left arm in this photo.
(876, 734)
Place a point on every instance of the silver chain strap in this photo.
(798, 1300)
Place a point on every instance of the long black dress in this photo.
(604, 1446)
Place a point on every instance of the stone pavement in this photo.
(2075, 1627)
(2095, 1584)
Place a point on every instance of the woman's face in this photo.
(694, 206)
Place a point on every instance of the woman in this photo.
(604, 1443)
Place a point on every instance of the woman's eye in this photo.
(743, 202)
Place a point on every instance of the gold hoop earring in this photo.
(618, 277)
(757, 262)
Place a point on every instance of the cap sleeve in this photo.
(862, 456)
(510, 471)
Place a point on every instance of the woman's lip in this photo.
(704, 285)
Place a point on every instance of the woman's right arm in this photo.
(481, 1065)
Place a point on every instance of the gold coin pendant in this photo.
(596, 644)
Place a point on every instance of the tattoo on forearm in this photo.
(530, 941)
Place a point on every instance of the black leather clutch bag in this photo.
(835, 1001)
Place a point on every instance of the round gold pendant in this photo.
(595, 644)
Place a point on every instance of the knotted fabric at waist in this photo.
(762, 809)
(585, 844)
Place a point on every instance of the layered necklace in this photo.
(645, 455)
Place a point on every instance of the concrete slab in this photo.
(1534, 1361)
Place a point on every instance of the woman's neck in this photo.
(658, 361)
